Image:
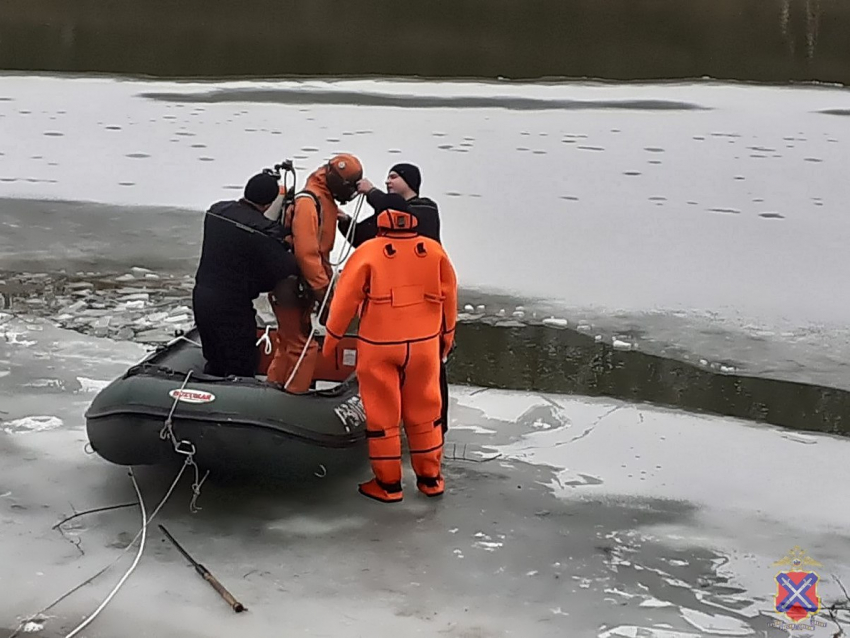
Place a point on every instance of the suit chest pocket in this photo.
(407, 296)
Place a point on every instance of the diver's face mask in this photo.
(343, 190)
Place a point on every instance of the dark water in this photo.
(752, 40)
(542, 359)
(526, 356)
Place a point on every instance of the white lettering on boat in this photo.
(192, 396)
(351, 413)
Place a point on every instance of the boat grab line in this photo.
(184, 447)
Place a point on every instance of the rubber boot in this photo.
(431, 486)
(383, 492)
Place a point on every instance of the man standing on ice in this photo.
(405, 289)
(406, 180)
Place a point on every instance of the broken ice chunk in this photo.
(555, 322)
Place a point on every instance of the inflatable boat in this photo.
(165, 407)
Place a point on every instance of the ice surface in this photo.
(613, 251)
(505, 552)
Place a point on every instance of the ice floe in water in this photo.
(32, 424)
(91, 385)
(716, 625)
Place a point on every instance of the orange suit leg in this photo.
(378, 375)
(421, 408)
(289, 339)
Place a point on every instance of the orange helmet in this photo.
(343, 173)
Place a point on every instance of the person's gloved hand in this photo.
(364, 186)
(447, 344)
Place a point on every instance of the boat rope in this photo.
(349, 239)
(124, 578)
(92, 511)
(36, 617)
(267, 340)
(184, 447)
(188, 340)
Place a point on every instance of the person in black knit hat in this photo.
(405, 180)
(242, 255)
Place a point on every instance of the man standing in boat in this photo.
(312, 232)
(405, 288)
(405, 180)
(242, 255)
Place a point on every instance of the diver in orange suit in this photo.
(313, 230)
(405, 288)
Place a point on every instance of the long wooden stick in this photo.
(207, 576)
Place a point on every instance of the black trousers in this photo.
(228, 331)
(444, 394)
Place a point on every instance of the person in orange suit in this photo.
(312, 223)
(405, 289)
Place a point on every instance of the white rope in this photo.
(265, 338)
(105, 569)
(349, 236)
(182, 338)
(124, 578)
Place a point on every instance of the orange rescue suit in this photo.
(313, 235)
(405, 289)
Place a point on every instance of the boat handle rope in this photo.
(185, 448)
(267, 340)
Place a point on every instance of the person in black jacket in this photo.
(242, 256)
(405, 180)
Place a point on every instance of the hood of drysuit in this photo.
(393, 221)
(317, 183)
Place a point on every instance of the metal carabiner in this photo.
(180, 450)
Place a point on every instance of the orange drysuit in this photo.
(405, 288)
(313, 228)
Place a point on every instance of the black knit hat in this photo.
(262, 189)
(410, 174)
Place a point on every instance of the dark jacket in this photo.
(423, 209)
(242, 253)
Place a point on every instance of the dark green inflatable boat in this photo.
(233, 425)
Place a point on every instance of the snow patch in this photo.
(475, 429)
(33, 424)
(307, 526)
(91, 385)
(633, 631)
